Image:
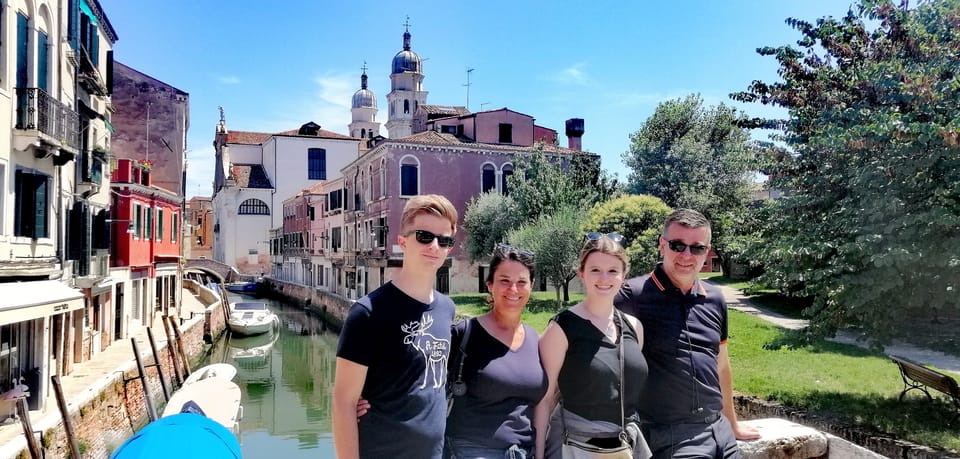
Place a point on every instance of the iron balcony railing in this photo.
(38, 110)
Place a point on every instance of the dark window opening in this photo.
(408, 180)
(488, 179)
(253, 207)
(506, 133)
(316, 164)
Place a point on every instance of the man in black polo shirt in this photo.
(687, 403)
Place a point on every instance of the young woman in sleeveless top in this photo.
(581, 350)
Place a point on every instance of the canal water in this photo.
(286, 382)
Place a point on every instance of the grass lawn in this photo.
(542, 306)
(834, 380)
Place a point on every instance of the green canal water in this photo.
(286, 381)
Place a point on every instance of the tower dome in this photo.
(364, 98)
(406, 60)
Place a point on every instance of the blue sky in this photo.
(276, 65)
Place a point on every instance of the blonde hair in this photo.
(432, 204)
(607, 246)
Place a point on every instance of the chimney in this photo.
(574, 133)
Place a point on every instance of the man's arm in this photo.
(741, 432)
(347, 385)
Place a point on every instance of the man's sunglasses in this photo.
(425, 237)
(679, 246)
(612, 236)
(505, 249)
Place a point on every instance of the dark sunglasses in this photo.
(504, 249)
(679, 246)
(425, 237)
(612, 236)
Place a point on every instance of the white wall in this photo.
(285, 160)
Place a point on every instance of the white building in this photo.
(254, 173)
(406, 90)
(54, 188)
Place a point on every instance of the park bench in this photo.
(917, 376)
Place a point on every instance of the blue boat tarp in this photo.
(184, 436)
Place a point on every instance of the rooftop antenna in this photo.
(482, 104)
(469, 71)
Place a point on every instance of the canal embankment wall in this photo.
(331, 307)
(114, 406)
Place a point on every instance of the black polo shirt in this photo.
(682, 337)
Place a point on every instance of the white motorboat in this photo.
(215, 398)
(251, 318)
(215, 370)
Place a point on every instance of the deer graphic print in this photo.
(435, 350)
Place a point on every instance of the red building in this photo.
(146, 245)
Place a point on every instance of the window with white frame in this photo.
(488, 178)
(409, 176)
(505, 172)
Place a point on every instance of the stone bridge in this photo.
(223, 272)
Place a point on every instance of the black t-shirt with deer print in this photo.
(405, 345)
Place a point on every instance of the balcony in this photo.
(42, 118)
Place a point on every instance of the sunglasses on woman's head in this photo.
(679, 246)
(425, 237)
(612, 236)
(503, 249)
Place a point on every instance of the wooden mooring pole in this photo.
(156, 361)
(179, 338)
(24, 414)
(172, 349)
(147, 395)
(65, 414)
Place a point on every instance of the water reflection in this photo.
(286, 381)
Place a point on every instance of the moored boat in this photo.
(249, 288)
(215, 370)
(216, 398)
(251, 318)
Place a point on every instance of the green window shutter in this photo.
(43, 62)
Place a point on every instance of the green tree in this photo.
(639, 219)
(556, 240)
(488, 219)
(870, 224)
(698, 157)
(543, 184)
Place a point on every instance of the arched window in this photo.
(488, 178)
(363, 133)
(505, 171)
(409, 176)
(370, 193)
(383, 178)
(253, 206)
(406, 106)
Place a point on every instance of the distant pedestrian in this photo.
(394, 346)
(687, 404)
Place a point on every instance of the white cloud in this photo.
(228, 80)
(573, 75)
(327, 104)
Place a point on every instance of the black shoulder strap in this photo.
(463, 349)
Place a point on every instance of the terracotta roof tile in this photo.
(437, 138)
(250, 176)
(431, 109)
(258, 138)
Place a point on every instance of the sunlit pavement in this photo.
(89, 378)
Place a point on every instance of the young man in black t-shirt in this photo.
(394, 346)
